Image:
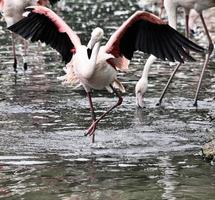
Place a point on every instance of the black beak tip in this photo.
(89, 52)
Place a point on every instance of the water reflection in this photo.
(138, 154)
(164, 177)
(167, 180)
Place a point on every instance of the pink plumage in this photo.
(59, 23)
(94, 66)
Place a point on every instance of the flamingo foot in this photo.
(25, 66)
(15, 65)
(195, 104)
(91, 129)
(159, 103)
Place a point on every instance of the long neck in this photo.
(147, 66)
(171, 9)
(92, 61)
(94, 54)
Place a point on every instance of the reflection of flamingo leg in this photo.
(14, 53)
(25, 65)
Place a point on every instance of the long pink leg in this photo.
(168, 83)
(207, 57)
(92, 128)
(93, 115)
(14, 53)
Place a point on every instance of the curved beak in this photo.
(90, 47)
(89, 53)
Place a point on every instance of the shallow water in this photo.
(138, 154)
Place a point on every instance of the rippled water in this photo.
(139, 153)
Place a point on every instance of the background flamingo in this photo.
(12, 11)
(171, 9)
(94, 66)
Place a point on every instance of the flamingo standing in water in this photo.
(95, 66)
(171, 9)
(12, 11)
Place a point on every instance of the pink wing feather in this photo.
(60, 24)
(146, 32)
(112, 45)
(42, 24)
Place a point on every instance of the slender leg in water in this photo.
(179, 64)
(207, 57)
(167, 85)
(92, 128)
(187, 31)
(93, 115)
(14, 53)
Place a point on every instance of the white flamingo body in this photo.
(13, 10)
(198, 5)
(97, 74)
(94, 66)
(172, 5)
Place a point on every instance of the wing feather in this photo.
(145, 32)
(44, 25)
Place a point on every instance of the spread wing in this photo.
(42, 24)
(145, 32)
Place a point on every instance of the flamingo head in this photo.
(96, 36)
(140, 90)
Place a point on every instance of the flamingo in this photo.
(12, 11)
(171, 7)
(95, 66)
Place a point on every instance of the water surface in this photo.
(138, 154)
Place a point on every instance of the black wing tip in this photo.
(12, 28)
(191, 45)
(191, 59)
(199, 49)
(203, 50)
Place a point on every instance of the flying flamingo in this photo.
(95, 66)
(171, 7)
(12, 11)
